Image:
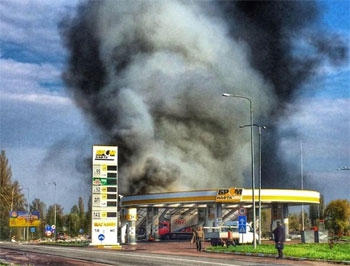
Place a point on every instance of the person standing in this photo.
(193, 239)
(279, 237)
(199, 237)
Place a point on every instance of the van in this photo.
(220, 233)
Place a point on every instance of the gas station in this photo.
(213, 206)
(112, 213)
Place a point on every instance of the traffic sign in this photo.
(242, 224)
(242, 211)
(101, 237)
(242, 219)
(242, 228)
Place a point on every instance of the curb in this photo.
(274, 256)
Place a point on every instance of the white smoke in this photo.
(170, 92)
(163, 66)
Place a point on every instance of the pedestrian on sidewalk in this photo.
(280, 238)
(199, 238)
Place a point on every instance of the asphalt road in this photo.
(144, 253)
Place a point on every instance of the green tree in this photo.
(294, 223)
(82, 215)
(11, 197)
(337, 215)
(88, 217)
(40, 206)
(50, 217)
(316, 212)
(74, 221)
(265, 222)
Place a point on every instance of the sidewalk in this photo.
(186, 248)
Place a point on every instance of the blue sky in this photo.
(40, 123)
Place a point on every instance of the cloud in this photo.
(32, 26)
(18, 77)
(323, 127)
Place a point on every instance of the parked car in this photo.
(61, 236)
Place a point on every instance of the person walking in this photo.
(279, 237)
(193, 239)
(199, 237)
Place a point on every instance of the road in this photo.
(148, 253)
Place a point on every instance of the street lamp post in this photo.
(252, 154)
(28, 211)
(260, 127)
(302, 184)
(12, 196)
(54, 183)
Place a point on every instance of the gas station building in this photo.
(213, 206)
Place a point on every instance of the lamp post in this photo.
(302, 184)
(260, 127)
(28, 211)
(12, 196)
(54, 183)
(252, 154)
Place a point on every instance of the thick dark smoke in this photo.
(150, 74)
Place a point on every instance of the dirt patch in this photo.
(11, 257)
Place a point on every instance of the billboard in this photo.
(104, 203)
(23, 218)
(229, 195)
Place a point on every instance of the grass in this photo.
(67, 244)
(339, 251)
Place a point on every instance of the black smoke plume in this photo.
(149, 75)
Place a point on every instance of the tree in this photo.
(11, 197)
(294, 224)
(40, 206)
(316, 212)
(50, 217)
(337, 216)
(82, 215)
(265, 222)
(89, 217)
(5, 171)
(74, 220)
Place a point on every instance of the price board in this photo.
(104, 195)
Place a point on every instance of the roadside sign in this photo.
(242, 224)
(242, 219)
(242, 228)
(101, 237)
(242, 211)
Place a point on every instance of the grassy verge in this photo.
(339, 251)
(67, 244)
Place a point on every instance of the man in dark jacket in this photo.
(280, 238)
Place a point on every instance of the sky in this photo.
(47, 130)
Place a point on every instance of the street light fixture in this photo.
(344, 168)
(252, 154)
(259, 127)
(54, 183)
(28, 211)
(12, 196)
